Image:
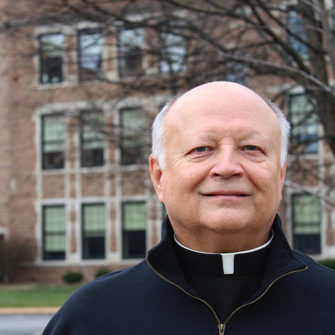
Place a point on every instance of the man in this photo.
(223, 265)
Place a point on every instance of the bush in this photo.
(102, 271)
(15, 254)
(72, 277)
(329, 263)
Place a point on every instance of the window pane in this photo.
(92, 140)
(53, 141)
(304, 123)
(93, 227)
(131, 42)
(54, 243)
(53, 232)
(295, 24)
(51, 60)
(134, 216)
(132, 136)
(134, 229)
(235, 71)
(90, 55)
(306, 210)
(173, 52)
(307, 224)
(94, 218)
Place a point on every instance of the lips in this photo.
(226, 193)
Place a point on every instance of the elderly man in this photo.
(223, 265)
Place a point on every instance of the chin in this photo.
(227, 224)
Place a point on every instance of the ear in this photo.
(156, 174)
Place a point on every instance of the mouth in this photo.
(226, 194)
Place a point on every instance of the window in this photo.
(296, 26)
(90, 55)
(235, 72)
(172, 48)
(51, 60)
(54, 232)
(91, 140)
(53, 141)
(306, 224)
(130, 55)
(134, 229)
(132, 136)
(304, 123)
(93, 231)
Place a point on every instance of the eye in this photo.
(251, 147)
(201, 149)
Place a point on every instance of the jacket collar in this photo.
(281, 259)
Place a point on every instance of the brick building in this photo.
(73, 171)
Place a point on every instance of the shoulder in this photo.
(316, 275)
(315, 267)
(98, 301)
(114, 284)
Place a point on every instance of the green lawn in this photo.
(35, 295)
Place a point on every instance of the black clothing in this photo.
(296, 296)
(204, 272)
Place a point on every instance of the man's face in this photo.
(222, 175)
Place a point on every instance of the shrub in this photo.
(15, 254)
(72, 277)
(102, 271)
(330, 263)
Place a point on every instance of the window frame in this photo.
(90, 158)
(300, 240)
(45, 254)
(44, 165)
(127, 239)
(309, 142)
(125, 56)
(86, 252)
(297, 28)
(166, 33)
(137, 150)
(43, 64)
(82, 75)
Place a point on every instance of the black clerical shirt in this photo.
(225, 281)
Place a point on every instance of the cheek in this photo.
(187, 176)
(273, 188)
(266, 180)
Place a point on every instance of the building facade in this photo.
(74, 148)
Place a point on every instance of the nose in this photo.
(226, 164)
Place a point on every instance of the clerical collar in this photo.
(235, 263)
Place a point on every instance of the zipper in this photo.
(222, 326)
(263, 294)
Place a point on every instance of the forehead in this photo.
(226, 105)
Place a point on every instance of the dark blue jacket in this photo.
(297, 296)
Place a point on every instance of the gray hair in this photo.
(158, 136)
(284, 127)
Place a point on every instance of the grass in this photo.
(35, 295)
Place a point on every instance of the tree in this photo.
(192, 41)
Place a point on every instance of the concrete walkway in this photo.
(28, 310)
(23, 324)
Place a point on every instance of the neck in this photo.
(247, 261)
(212, 242)
(227, 253)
